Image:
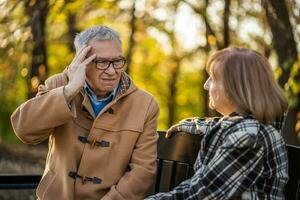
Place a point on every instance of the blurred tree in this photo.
(131, 45)
(175, 61)
(226, 31)
(71, 24)
(285, 46)
(212, 42)
(14, 37)
(278, 18)
(37, 12)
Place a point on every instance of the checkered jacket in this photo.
(239, 158)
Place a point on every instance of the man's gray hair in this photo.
(98, 32)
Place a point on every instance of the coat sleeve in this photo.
(34, 120)
(197, 125)
(135, 183)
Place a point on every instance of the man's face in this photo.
(103, 81)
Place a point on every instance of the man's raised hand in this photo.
(77, 72)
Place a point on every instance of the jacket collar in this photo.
(235, 117)
(94, 97)
(231, 119)
(126, 86)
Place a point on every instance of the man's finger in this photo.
(78, 53)
(81, 49)
(80, 57)
(89, 59)
(74, 67)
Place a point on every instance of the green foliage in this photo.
(148, 72)
(14, 36)
(293, 85)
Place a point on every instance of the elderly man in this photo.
(101, 127)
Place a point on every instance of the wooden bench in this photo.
(176, 157)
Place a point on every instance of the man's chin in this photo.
(108, 89)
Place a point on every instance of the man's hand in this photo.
(77, 72)
(173, 129)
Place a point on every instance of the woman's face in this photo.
(218, 99)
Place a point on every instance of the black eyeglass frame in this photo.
(110, 62)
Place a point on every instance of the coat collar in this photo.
(235, 117)
(126, 86)
(231, 119)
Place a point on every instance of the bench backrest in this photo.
(175, 158)
(293, 187)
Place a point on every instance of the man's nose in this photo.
(110, 69)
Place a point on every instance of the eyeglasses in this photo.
(104, 64)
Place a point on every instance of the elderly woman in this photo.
(242, 155)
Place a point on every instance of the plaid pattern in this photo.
(239, 158)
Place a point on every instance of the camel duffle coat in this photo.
(109, 156)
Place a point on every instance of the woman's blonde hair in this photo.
(249, 82)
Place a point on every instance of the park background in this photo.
(166, 44)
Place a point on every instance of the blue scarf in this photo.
(99, 104)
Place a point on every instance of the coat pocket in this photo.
(45, 184)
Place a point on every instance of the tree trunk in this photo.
(72, 30)
(175, 69)
(173, 91)
(282, 30)
(226, 42)
(285, 46)
(226, 36)
(37, 12)
(131, 39)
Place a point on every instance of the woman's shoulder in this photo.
(248, 130)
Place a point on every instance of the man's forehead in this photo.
(99, 42)
(105, 48)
